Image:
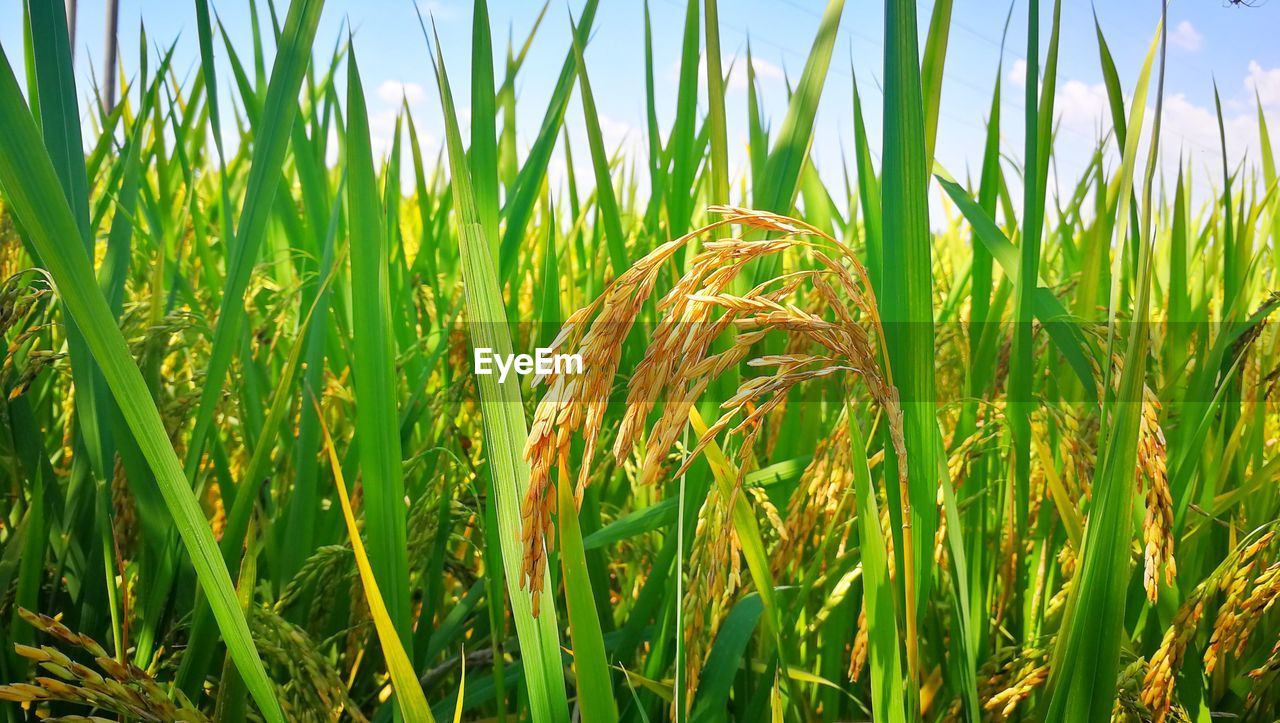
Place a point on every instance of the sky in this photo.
(1208, 40)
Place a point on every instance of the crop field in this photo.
(890, 444)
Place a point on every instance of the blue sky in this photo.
(1209, 40)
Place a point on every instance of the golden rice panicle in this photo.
(1229, 624)
(678, 367)
(836, 595)
(1067, 563)
(1151, 473)
(120, 688)
(535, 519)
(1020, 677)
(574, 400)
(124, 513)
(1266, 590)
(1162, 672)
(846, 338)
(762, 311)
(963, 455)
(675, 340)
(1007, 700)
(886, 525)
(1157, 525)
(1078, 443)
(1007, 570)
(850, 350)
(770, 511)
(576, 403)
(817, 495)
(674, 365)
(715, 574)
(1264, 682)
(683, 365)
(861, 644)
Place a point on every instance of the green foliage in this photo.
(1085, 375)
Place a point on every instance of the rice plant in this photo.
(828, 457)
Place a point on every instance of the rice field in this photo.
(828, 456)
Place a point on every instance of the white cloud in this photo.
(1186, 37)
(1265, 82)
(1187, 123)
(736, 67)
(382, 125)
(615, 132)
(1083, 107)
(386, 109)
(619, 137)
(1189, 127)
(1018, 74)
(439, 10)
(765, 71)
(393, 91)
(1195, 128)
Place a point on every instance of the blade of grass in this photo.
(60, 123)
(680, 144)
(963, 662)
(508, 166)
(1061, 326)
(595, 687)
(753, 549)
(776, 190)
(878, 594)
(271, 140)
(192, 671)
(868, 194)
(408, 694)
(907, 305)
(656, 157)
(931, 74)
(504, 427)
(31, 187)
(1093, 622)
(521, 199)
(1022, 359)
(484, 133)
(757, 132)
(373, 366)
(605, 199)
(719, 159)
(300, 519)
(726, 658)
